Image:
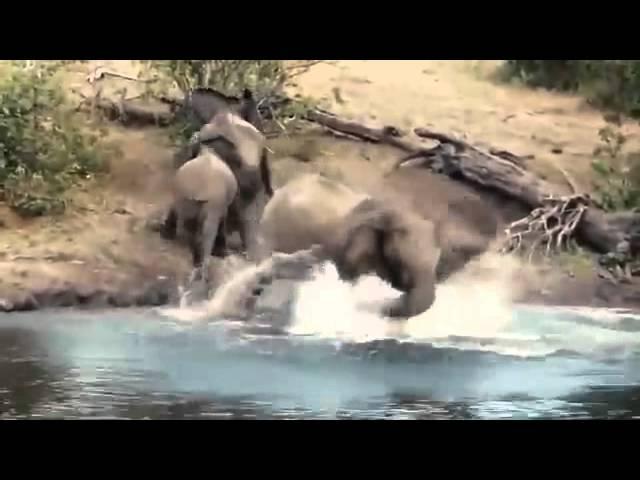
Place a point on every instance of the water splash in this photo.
(235, 277)
(477, 302)
(476, 309)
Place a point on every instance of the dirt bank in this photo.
(101, 253)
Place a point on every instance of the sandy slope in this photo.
(458, 97)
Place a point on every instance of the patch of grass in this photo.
(576, 260)
(617, 184)
(45, 146)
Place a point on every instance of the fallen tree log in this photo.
(600, 230)
(133, 113)
(389, 135)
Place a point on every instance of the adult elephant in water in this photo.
(411, 228)
(469, 220)
(359, 234)
(233, 134)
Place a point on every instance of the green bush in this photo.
(44, 146)
(617, 185)
(266, 79)
(609, 84)
(227, 76)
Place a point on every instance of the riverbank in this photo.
(102, 253)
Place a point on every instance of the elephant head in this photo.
(206, 103)
(398, 247)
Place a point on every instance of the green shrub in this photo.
(609, 84)
(226, 76)
(266, 79)
(44, 146)
(617, 185)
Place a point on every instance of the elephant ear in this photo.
(357, 247)
(205, 103)
(249, 109)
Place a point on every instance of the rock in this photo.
(85, 296)
(6, 305)
(121, 300)
(27, 303)
(606, 291)
(623, 248)
(154, 295)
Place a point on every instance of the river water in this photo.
(480, 358)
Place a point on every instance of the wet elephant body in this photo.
(412, 228)
(467, 221)
(360, 234)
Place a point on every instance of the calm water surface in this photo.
(141, 365)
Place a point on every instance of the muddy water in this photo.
(142, 365)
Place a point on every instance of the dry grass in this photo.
(458, 97)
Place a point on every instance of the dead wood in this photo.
(133, 113)
(460, 160)
(389, 135)
(551, 225)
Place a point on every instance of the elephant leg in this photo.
(415, 301)
(181, 226)
(209, 231)
(220, 244)
(195, 242)
(252, 241)
(169, 227)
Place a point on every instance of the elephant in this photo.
(205, 188)
(204, 103)
(359, 234)
(232, 133)
(468, 219)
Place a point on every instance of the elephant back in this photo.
(206, 178)
(246, 138)
(306, 211)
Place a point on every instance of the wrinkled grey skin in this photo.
(398, 247)
(243, 152)
(467, 224)
(359, 234)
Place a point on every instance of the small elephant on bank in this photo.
(205, 188)
(359, 234)
(241, 146)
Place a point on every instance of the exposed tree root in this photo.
(552, 225)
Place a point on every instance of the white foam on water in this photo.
(478, 302)
(474, 310)
(235, 277)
